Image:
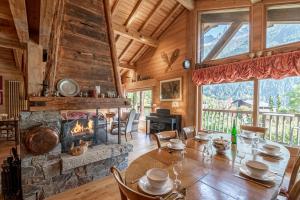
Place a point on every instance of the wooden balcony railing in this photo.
(283, 128)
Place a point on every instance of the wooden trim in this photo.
(113, 50)
(218, 5)
(18, 58)
(137, 55)
(257, 28)
(133, 12)
(134, 35)
(199, 101)
(47, 13)
(224, 40)
(18, 11)
(188, 4)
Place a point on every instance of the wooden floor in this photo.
(106, 188)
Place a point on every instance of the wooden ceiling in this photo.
(138, 25)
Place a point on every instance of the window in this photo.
(141, 101)
(224, 34)
(283, 25)
(224, 103)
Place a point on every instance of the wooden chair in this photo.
(260, 130)
(295, 192)
(128, 128)
(165, 135)
(126, 192)
(188, 132)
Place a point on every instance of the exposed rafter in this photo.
(223, 41)
(18, 11)
(11, 44)
(255, 1)
(127, 66)
(134, 35)
(188, 4)
(115, 5)
(125, 49)
(46, 19)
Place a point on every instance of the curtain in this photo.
(277, 66)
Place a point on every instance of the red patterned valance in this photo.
(277, 66)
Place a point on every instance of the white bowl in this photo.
(257, 168)
(221, 145)
(248, 134)
(175, 142)
(157, 177)
(270, 148)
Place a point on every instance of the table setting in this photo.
(211, 159)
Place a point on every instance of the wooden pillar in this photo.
(142, 97)
(257, 43)
(256, 103)
(199, 103)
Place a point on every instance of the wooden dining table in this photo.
(213, 176)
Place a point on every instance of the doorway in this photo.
(141, 101)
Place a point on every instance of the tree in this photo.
(271, 103)
(294, 99)
(278, 102)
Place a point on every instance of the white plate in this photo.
(202, 137)
(277, 155)
(145, 186)
(181, 147)
(267, 177)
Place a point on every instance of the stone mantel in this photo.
(95, 154)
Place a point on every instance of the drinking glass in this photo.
(241, 155)
(177, 169)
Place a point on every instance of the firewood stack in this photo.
(11, 177)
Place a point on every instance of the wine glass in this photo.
(177, 169)
(241, 155)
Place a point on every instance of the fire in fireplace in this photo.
(82, 129)
(90, 129)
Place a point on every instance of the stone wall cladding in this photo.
(43, 175)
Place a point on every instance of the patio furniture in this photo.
(211, 177)
(128, 127)
(259, 130)
(164, 136)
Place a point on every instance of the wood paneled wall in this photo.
(84, 51)
(151, 64)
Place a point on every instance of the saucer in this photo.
(145, 186)
(180, 147)
(268, 177)
(262, 151)
(202, 137)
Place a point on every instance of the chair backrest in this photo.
(130, 121)
(126, 192)
(295, 174)
(165, 135)
(137, 116)
(189, 132)
(260, 130)
(295, 192)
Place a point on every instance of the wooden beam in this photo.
(133, 13)
(113, 9)
(158, 6)
(134, 35)
(223, 41)
(167, 18)
(284, 15)
(46, 19)
(126, 66)
(255, 1)
(113, 51)
(188, 4)
(137, 54)
(18, 11)
(18, 53)
(240, 16)
(11, 44)
(125, 49)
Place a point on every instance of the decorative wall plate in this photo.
(68, 87)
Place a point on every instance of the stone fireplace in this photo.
(56, 171)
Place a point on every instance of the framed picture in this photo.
(171, 90)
